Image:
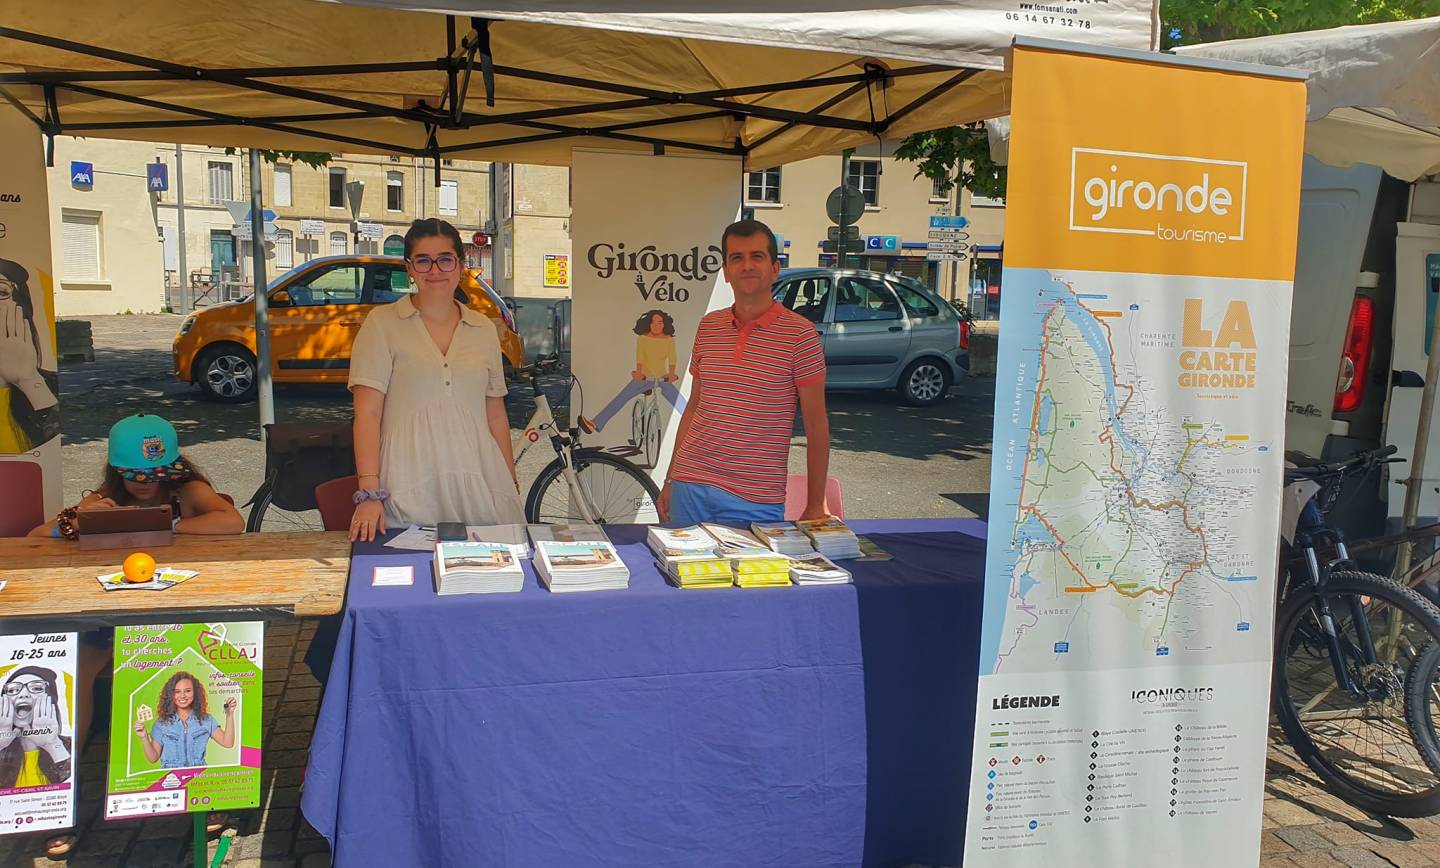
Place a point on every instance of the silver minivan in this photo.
(881, 331)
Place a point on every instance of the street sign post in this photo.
(949, 234)
(850, 233)
(934, 256)
(844, 206)
(948, 221)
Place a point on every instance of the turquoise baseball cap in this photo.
(145, 447)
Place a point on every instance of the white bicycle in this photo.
(582, 484)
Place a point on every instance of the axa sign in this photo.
(1172, 198)
(82, 174)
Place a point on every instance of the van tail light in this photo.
(964, 335)
(1355, 355)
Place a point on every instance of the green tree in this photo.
(314, 159)
(1184, 22)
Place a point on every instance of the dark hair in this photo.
(642, 325)
(748, 229)
(16, 274)
(45, 675)
(434, 227)
(166, 711)
(113, 484)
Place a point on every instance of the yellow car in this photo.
(315, 311)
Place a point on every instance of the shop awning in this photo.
(771, 82)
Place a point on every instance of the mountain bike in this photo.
(582, 484)
(1357, 659)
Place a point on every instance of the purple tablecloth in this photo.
(654, 726)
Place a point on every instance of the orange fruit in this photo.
(139, 567)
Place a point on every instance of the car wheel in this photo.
(924, 383)
(227, 373)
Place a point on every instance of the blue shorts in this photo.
(692, 503)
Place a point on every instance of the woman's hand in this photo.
(8, 732)
(140, 729)
(19, 359)
(369, 519)
(98, 503)
(637, 375)
(230, 706)
(46, 725)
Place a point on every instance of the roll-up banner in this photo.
(646, 237)
(29, 383)
(1135, 485)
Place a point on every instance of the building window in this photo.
(337, 188)
(938, 193)
(80, 236)
(394, 191)
(222, 182)
(285, 249)
(337, 243)
(865, 174)
(394, 246)
(986, 202)
(763, 186)
(282, 185)
(449, 198)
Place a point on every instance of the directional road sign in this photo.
(948, 221)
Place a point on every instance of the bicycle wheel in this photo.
(652, 436)
(622, 492)
(266, 516)
(1363, 743)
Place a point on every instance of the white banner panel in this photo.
(646, 267)
(29, 384)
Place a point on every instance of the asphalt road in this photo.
(892, 460)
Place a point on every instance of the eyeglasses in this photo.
(423, 264)
(36, 687)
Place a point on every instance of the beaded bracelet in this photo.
(365, 494)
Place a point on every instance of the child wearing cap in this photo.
(145, 468)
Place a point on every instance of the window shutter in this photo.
(81, 242)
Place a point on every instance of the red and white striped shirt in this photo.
(739, 438)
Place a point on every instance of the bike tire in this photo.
(554, 476)
(1357, 782)
(259, 503)
(652, 436)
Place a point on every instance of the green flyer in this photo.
(186, 719)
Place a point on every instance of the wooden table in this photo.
(51, 583)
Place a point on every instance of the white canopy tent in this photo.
(771, 82)
(1374, 90)
(767, 81)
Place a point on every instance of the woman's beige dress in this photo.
(438, 459)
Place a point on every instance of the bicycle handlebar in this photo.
(1361, 460)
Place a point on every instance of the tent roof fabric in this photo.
(771, 81)
(1374, 90)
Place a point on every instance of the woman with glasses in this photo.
(432, 440)
(33, 752)
(29, 410)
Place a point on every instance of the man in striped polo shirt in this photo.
(752, 364)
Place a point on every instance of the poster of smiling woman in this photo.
(37, 732)
(185, 719)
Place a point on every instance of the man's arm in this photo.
(686, 419)
(817, 448)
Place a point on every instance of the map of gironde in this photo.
(1121, 537)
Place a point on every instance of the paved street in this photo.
(893, 461)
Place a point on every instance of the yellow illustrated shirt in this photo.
(12, 437)
(30, 774)
(655, 357)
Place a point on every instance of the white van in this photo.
(1367, 281)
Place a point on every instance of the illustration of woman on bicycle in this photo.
(655, 361)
